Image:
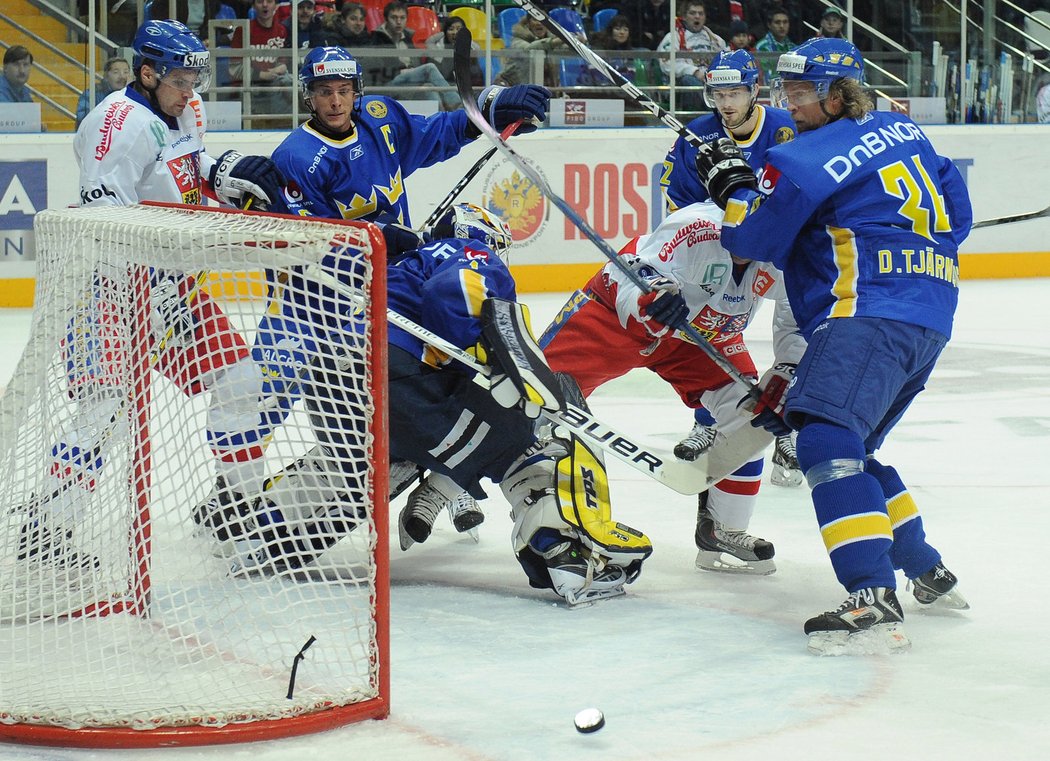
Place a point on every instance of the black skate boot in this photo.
(724, 549)
(870, 621)
(938, 588)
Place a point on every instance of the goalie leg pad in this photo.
(300, 515)
(520, 374)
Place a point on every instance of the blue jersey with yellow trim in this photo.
(362, 176)
(441, 287)
(865, 220)
(680, 180)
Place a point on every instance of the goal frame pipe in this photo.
(263, 729)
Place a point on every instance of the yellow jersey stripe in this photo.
(844, 288)
(474, 290)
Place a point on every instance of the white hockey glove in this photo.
(520, 374)
(662, 310)
(235, 175)
(768, 410)
(171, 319)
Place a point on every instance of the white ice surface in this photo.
(697, 665)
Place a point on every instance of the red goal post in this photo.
(121, 622)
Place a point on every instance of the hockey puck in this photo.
(589, 720)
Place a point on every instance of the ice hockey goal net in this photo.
(122, 621)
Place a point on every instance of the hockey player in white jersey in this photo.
(608, 328)
(145, 143)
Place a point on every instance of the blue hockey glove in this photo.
(662, 309)
(768, 411)
(723, 170)
(236, 176)
(502, 106)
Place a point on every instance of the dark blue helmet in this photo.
(822, 60)
(729, 69)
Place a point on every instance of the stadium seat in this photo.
(423, 22)
(602, 18)
(508, 17)
(570, 70)
(478, 24)
(373, 13)
(568, 19)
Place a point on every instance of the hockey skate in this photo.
(416, 520)
(402, 475)
(576, 576)
(729, 551)
(938, 588)
(786, 471)
(869, 622)
(696, 443)
(227, 517)
(466, 515)
(48, 577)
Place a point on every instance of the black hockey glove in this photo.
(502, 106)
(723, 170)
(398, 238)
(662, 309)
(236, 176)
(768, 410)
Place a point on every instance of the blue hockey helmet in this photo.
(169, 46)
(329, 64)
(731, 69)
(470, 222)
(820, 60)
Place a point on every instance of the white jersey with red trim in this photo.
(687, 247)
(127, 153)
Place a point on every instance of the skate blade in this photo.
(882, 639)
(473, 534)
(723, 562)
(587, 597)
(953, 600)
(784, 477)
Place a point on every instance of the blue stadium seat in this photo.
(570, 70)
(602, 18)
(568, 19)
(508, 17)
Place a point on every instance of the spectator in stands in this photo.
(18, 62)
(116, 73)
(722, 13)
(696, 45)
(446, 40)
(195, 15)
(345, 29)
(309, 25)
(740, 37)
(528, 35)
(400, 72)
(271, 83)
(651, 20)
(615, 37)
(831, 23)
(793, 9)
(778, 24)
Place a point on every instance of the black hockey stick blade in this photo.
(1014, 218)
(629, 88)
(461, 65)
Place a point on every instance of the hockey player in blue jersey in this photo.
(350, 161)
(865, 219)
(731, 90)
(459, 288)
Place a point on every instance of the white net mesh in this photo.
(189, 478)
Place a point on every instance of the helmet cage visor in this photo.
(784, 91)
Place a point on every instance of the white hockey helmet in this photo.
(467, 221)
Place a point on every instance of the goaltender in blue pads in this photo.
(865, 220)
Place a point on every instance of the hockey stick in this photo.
(629, 88)
(1015, 218)
(681, 476)
(461, 64)
(447, 201)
